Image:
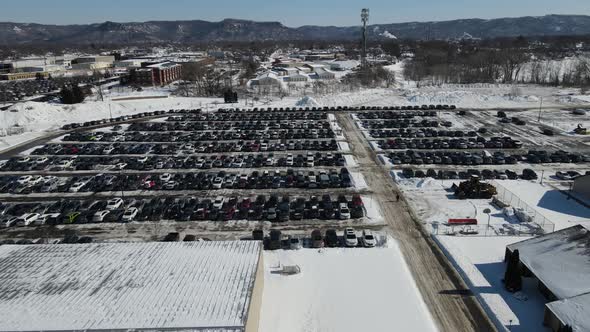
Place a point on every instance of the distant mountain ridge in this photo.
(244, 30)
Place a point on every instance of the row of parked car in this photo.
(174, 125)
(404, 123)
(122, 118)
(152, 162)
(450, 143)
(337, 108)
(289, 178)
(421, 133)
(486, 174)
(394, 115)
(483, 158)
(184, 148)
(267, 208)
(250, 115)
(349, 238)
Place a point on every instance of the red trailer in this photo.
(465, 221)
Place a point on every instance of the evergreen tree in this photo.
(512, 278)
(78, 94)
(66, 95)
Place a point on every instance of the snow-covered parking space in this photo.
(342, 290)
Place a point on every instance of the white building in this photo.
(169, 286)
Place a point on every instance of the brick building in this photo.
(159, 73)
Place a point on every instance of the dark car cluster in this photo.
(395, 115)
(177, 181)
(273, 208)
(482, 158)
(477, 142)
(486, 174)
(420, 133)
(403, 123)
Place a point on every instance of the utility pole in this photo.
(365, 20)
(540, 108)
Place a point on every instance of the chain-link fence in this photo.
(530, 218)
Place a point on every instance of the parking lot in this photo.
(283, 167)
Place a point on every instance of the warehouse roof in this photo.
(561, 260)
(177, 285)
(573, 311)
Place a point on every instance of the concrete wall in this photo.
(253, 318)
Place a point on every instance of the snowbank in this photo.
(307, 102)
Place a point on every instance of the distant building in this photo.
(158, 73)
(560, 263)
(213, 286)
(23, 75)
(93, 62)
(582, 186)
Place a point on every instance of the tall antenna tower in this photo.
(365, 20)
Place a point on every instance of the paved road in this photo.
(450, 302)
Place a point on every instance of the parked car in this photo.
(369, 240)
(350, 238)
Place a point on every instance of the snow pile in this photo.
(342, 290)
(465, 97)
(307, 102)
(389, 35)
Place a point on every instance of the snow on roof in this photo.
(559, 259)
(573, 311)
(173, 285)
(162, 65)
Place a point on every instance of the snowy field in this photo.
(344, 290)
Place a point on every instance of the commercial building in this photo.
(167, 286)
(560, 263)
(158, 73)
(93, 62)
(22, 75)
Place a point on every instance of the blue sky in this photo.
(291, 13)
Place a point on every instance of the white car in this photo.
(344, 211)
(24, 159)
(45, 217)
(100, 215)
(36, 180)
(289, 161)
(66, 163)
(27, 219)
(24, 179)
(263, 147)
(369, 240)
(120, 166)
(114, 203)
(350, 239)
(108, 150)
(165, 177)
(41, 160)
(217, 183)
(142, 159)
(130, 214)
(218, 203)
(76, 187)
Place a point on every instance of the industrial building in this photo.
(582, 186)
(560, 262)
(93, 62)
(158, 73)
(166, 286)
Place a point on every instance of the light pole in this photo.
(365, 20)
(487, 211)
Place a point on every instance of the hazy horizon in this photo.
(304, 12)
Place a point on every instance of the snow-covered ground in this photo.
(342, 290)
